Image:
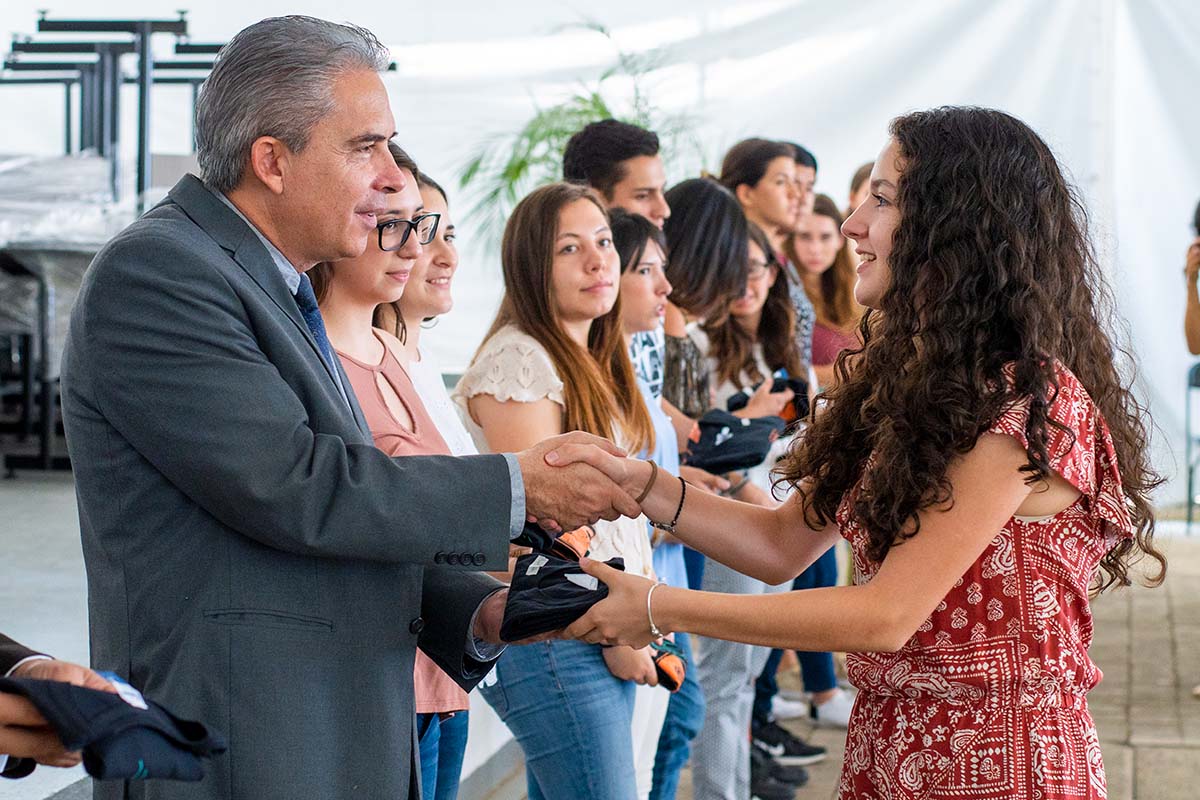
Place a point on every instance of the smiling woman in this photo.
(985, 461)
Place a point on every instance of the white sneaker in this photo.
(782, 708)
(834, 712)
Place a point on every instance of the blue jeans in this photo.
(694, 561)
(817, 668)
(443, 743)
(572, 718)
(685, 717)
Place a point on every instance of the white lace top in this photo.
(513, 366)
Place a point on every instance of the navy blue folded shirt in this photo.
(118, 740)
(549, 593)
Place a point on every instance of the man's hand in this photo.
(576, 494)
(490, 617)
(24, 732)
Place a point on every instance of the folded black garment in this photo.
(569, 545)
(118, 740)
(797, 409)
(722, 443)
(549, 593)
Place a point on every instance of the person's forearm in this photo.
(681, 422)
(836, 619)
(765, 543)
(1191, 319)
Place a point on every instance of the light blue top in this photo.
(668, 556)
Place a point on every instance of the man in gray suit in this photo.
(253, 560)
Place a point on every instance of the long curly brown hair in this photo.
(990, 265)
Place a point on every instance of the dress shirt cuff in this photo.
(516, 516)
(26, 660)
(477, 648)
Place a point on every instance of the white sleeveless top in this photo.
(512, 366)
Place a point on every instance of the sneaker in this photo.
(786, 748)
(761, 762)
(764, 787)
(834, 712)
(782, 708)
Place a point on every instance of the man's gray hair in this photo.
(274, 78)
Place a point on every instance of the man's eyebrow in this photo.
(370, 138)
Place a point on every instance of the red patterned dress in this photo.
(988, 698)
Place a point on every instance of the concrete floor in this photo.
(1147, 642)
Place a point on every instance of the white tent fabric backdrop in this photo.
(1111, 85)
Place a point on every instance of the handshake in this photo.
(577, 478)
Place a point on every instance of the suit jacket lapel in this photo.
(233, 234)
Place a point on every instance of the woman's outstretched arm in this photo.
(771, 544)
(882, 615)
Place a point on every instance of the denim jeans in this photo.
(816, 668)
(572, 718)
(443, 743)
(685, 717)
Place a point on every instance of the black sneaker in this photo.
(762, 763)
(785, 747)
(764, 787)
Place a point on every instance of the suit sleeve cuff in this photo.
(477, 648)
(516, 516)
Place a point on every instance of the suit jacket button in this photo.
(452, 559)
(439, 557)
(416, 626)
(480, 559)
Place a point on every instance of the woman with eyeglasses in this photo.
(555, 360)
(357, 298)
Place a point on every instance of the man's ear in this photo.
(269, 161)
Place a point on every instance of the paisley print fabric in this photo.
(988, 698)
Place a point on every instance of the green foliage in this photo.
(506, 167)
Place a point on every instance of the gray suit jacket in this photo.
(253, 560)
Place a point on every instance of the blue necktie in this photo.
(306, 299)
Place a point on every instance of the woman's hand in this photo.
(705, 481)
(1192, 266)
(631, 665)
(621, 617)
(764, 402)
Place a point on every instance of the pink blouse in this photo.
(435, 691)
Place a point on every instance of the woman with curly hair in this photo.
(983, 457)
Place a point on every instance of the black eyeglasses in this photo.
(395, 232)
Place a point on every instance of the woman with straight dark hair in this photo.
(763, 175)
(556, 360)
(985, 459)
(706, 250)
